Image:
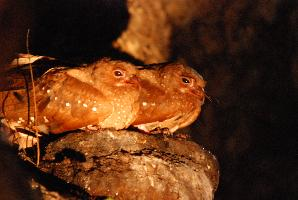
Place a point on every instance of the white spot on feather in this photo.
(45, 119)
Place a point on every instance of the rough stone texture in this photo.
(152, 27)
(147, 36)
(126, 164)
(158, 31)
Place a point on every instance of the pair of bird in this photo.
(110, 94)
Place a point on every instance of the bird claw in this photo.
(182, 136)
(92, 128)
(161, 131)
(165, 132)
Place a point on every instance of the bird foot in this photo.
(161, 131)
(166, 133)
(92, 128)
(182, 136)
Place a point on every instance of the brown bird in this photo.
(171, 97)
(104, 93)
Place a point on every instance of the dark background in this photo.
(245, 50)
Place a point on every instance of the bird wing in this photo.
(154, 104)
(66, 103)
(63, 103)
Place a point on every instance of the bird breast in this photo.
(124, 110)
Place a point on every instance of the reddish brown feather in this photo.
(66, 103)
(165, 101)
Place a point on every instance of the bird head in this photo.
(184, 79)
(115, 73)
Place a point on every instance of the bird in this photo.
(171, 97)
(104, 93)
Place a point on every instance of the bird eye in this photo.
(185, 80)
(118, 73)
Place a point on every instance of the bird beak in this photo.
(199, 92)
(132, 80)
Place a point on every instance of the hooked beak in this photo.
(132, 80)
(199, 92)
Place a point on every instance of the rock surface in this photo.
(127, 164)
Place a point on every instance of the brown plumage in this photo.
(104, 93)
(171, 97)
